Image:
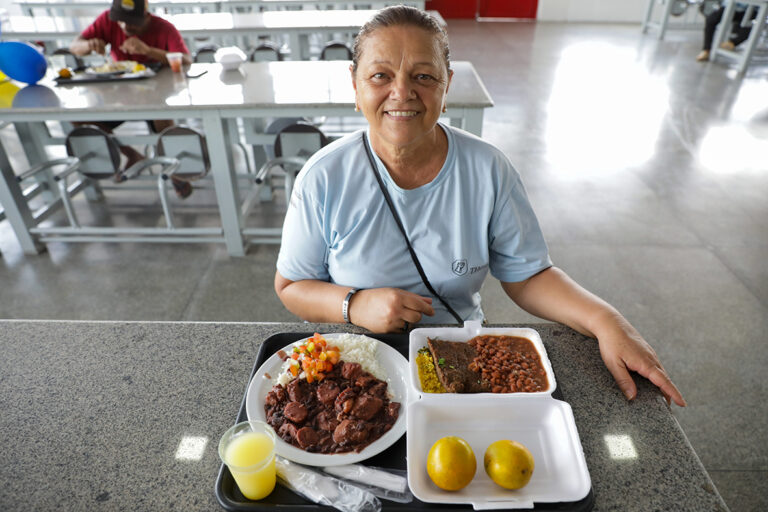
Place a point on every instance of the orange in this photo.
(451, 463)
(509, 464)
(65, 73)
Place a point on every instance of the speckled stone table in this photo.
(92, 415)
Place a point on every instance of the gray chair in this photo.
(294, 145)
(336, 50)
(267, 51)
(206, 54)
(187, 147)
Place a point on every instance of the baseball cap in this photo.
(129, 11)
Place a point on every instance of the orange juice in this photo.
(251, 460)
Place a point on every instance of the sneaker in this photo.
(702, 56)
(728, 46)
(183, 188)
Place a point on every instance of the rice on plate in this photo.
(353, 348)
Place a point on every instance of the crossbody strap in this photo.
(399, 223)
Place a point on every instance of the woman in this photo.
(460, 202)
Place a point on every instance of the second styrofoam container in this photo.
(418, 340)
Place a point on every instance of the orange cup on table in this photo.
(174, 60)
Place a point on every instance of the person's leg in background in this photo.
(182, 187)
(710, 25)
(739, 34)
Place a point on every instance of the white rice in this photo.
(354, 348)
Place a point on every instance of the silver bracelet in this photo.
(345, 305)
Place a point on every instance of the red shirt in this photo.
(159, 34)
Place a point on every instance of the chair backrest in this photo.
(336, 50)
(299, 139)
(189, 147)
(206, 53)
(266, 51)
(97, 150)
(71, 60)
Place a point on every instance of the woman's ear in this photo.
(352, 75)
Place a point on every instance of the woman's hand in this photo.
(388, 309)
(552, 295)
(622, 350)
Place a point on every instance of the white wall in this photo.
(630, 11)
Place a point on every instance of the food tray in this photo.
(285, 500)
(84, 78)
(543, 424)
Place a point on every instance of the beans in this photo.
(509, 363)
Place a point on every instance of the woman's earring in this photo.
(357, 109)
(444, 109)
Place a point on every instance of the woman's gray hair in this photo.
(399, 15)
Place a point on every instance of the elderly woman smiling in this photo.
(399, 224)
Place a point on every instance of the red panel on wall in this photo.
(453, 8)
(507, 8)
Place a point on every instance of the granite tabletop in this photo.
(94, 415)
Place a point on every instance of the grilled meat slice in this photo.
(452, 359)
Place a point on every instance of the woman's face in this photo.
(400, 84)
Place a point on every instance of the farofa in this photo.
(427, 374)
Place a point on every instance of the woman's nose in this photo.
(402, 88)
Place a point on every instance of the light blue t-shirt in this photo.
(474, 216)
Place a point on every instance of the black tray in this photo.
(84, 78)
(285, 500)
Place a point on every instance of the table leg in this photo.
(14, 204)
(648, 13)
(723, 30)
(665, 18)
(225, 181)
(471, 121)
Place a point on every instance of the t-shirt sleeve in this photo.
(175, 41)
(304, 249)
(517, 246)
(98, 28)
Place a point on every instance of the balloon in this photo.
(33, 96)
(7, 92)
(22, 61)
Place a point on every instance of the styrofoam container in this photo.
(418, 340)
(543, 424)
(230, 57)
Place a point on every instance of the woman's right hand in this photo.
(388, 309)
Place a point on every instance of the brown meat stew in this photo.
(345, 412)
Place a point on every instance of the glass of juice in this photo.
(174, 60)
(248, 450)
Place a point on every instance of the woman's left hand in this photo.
(624, 350)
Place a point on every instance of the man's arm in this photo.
(81, 46)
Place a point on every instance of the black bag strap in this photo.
(399, 223)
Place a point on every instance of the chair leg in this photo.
(64, 193)
(162, 188)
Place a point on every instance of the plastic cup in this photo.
(248, 450)
(174, 60)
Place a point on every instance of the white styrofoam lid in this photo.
(544, 425)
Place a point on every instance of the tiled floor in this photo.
(649, 173)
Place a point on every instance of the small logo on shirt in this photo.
(459, 267)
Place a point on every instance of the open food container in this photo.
(543, 424)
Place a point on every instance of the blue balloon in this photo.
(22, 61)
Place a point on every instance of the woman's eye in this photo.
(423, 77)
(379, 76)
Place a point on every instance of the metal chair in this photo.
(267, 51)
(294, 145)
(336, 50)
(206, 54)
(190, 150)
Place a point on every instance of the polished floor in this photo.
(649, 173)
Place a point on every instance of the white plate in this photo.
(393, 363)
(418, 340)
(544, 425)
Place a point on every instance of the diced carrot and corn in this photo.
(315, 358)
